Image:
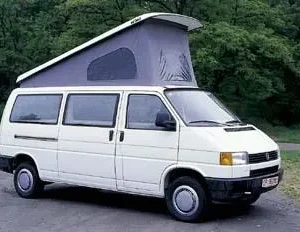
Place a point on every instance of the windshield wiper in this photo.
(207, 121)
(234, 121)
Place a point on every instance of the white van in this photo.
(123, 112)
(177, 143)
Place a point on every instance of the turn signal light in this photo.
(226, 158)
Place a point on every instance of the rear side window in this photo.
(91, 110)
(40, 109)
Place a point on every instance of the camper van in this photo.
(123, 112)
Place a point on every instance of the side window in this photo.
(43, 109)
(91, 110)
(142, 111)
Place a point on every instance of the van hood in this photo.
(235, 139)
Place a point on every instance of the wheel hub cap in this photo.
(185, 200)
(25, 180)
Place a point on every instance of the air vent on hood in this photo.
(237, 129)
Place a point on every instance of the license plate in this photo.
(269, 182)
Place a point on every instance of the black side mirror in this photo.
(163, 120)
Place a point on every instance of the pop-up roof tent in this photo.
(152, 49)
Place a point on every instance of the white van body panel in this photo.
(140, 164)
(217, 139)
(143, 162)
(208, 142)
(80, 147)
(43, 152)
(253, 141)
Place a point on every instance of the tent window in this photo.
(174, 66)
(117, 65)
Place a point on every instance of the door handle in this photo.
(121, 136)
(111, 135)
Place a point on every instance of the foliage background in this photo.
(247, 53)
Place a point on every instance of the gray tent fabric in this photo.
(154, 53)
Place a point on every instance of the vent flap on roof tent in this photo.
(152, 49)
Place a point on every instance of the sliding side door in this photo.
(86, 147)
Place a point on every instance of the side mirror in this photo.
(163, 120)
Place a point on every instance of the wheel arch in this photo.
(174, 172)
(23, 157)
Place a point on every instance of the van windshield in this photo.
(197, 108)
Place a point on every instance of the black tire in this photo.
(198, 212)
(31, 186)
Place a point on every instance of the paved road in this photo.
(289, 146)
(65, 208)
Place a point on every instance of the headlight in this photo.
(233, 158)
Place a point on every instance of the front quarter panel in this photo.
(198, 150)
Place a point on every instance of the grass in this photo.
(291, 179)
(281, 134)
(284, 134)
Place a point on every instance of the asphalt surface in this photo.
(67, 208)
(289, 146)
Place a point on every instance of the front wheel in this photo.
(27, 182)
(186, 200)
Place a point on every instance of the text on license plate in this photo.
(269, 182)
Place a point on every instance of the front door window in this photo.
(142, 112)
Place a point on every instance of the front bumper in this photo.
(228, 190)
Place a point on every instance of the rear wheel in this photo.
(27, 182)
(186, 200)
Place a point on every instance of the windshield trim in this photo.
(195, 89)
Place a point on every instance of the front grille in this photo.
(263, 157)
(264, 171)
